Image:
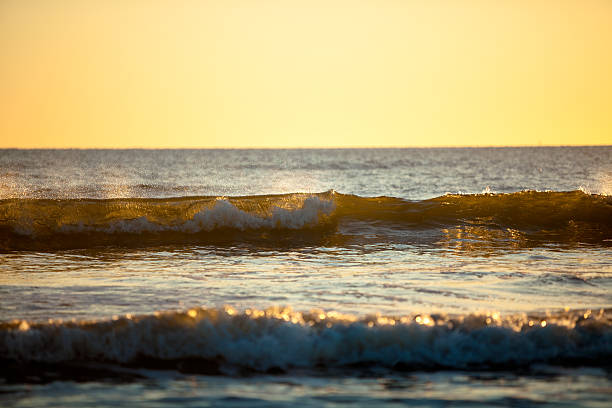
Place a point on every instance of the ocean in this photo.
(334, 277)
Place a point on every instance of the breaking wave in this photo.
(77, 223)
(227, 341)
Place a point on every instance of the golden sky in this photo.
(283, 73)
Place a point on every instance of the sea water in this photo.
(426, 277)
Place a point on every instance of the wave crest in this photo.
(279, 338)
(528, 215)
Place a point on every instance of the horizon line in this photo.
(358, 147)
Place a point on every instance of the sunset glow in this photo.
(304, 73)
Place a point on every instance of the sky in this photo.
(284, 73)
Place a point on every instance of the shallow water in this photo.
(320, 277)
(568, 388)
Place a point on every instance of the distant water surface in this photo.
(407, 173)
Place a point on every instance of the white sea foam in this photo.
(261, 340)
(223, 214)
